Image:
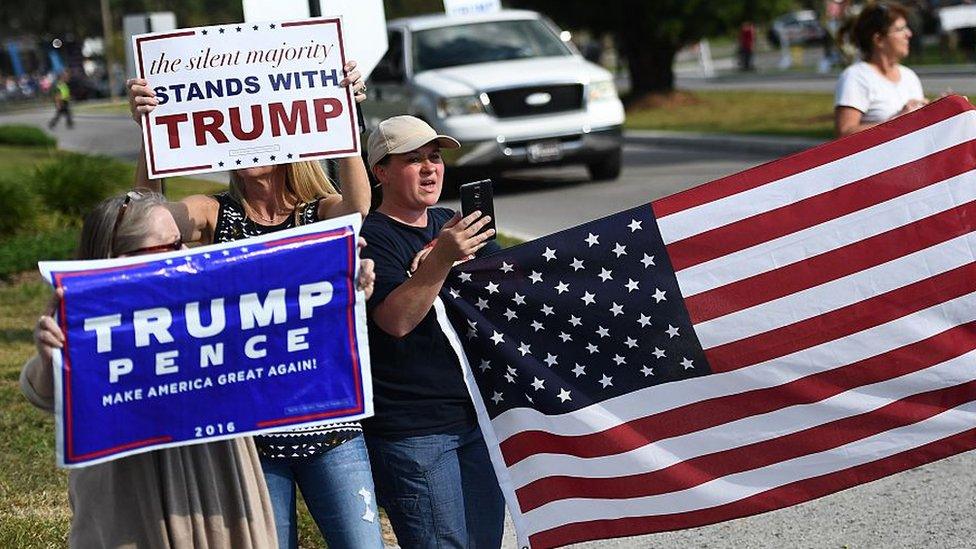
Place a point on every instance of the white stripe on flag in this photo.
(828, 236)
(838, 293)
(905, 149)
(749, 430)
(826, 356)
(735, 487)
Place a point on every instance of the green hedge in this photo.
(17, 202)
(74, 183)
(25, 136)
(21, 252)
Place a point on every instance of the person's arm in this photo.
(354, 179)
(403, 308)
(847, 120)
(355, 195)
(37, 375)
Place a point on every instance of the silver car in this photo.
(506, 86)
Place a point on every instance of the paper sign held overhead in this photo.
(245, 95)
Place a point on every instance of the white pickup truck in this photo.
(506, 86)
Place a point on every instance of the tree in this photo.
(650, 32)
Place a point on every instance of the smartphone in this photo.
(477, 196)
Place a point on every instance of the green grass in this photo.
(120, 107)
(740, 112)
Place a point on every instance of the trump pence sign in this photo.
(244, 95)
(213, 342)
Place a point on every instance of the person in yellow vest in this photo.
(62, 102)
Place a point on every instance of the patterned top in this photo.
(233, 224)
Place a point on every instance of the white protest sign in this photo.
(245, 95)
(471, 7)
(957, 17)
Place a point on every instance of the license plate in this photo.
(544, 151)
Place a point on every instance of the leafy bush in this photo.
(74, 183)
(25, 136)
(17, 202)
(21, 252)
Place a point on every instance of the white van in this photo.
(506, 86)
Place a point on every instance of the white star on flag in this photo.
(492, 288)
(561, 287)
(658, 295)
(606, 381)
(506, 267)
(659, 353)
(547, 310)
(592, 240)
(617, 309)
(524, 348)
(579, 370)
(602, 332)
(536, 325)
(482, 304)
(605, 275)
(510, 314)
(575, 320)
(619, 359)
(485, 365)
(644, 320)
(454, 293)
(538, 383)
(549, 254)
(565, 337)
(496, 397)
(465, 277)
(535, 277)
(630, 343)
(687, 363)
(592, 348)
(577, 264)
(632, 285)
(550, 360)
(497, 337)
(564, 395)
(672, 331)
(620, 249)
(647, 371)
(635, 225)
(648, 260)
(588, 298)
(519, 299)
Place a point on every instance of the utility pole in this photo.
(107, 46)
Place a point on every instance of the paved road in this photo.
(932, 506)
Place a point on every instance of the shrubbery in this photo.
(25, 136)
(74, 183)
(17, 202)
(43, 204)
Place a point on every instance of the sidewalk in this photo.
(745, 144)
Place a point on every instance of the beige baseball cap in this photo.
(400, 134)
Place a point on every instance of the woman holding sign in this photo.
(329, 464)
(204, 495)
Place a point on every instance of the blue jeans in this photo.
(338, 489)
(439, 490)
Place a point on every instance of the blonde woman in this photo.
(329, 464)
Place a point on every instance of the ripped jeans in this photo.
(338, 490)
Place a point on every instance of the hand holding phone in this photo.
(477, 195)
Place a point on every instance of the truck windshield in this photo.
(483, 43)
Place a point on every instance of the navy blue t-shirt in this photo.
(418, 388)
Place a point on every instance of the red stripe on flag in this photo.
(694, 472)
(823, 207)
(773, 171)
(832, 265)
(845, 321)
(703, 414)
(777, 498)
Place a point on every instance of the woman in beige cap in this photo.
(430, 463)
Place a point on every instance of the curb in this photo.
(778, 146)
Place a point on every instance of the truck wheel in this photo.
(608, 168)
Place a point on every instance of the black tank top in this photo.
(233, 224)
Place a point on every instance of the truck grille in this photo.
(530, 100)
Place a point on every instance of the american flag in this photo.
(756, 342)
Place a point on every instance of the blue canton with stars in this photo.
(568, 320)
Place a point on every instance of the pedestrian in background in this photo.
(62, 102)
(878, 88)
(747, 42)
